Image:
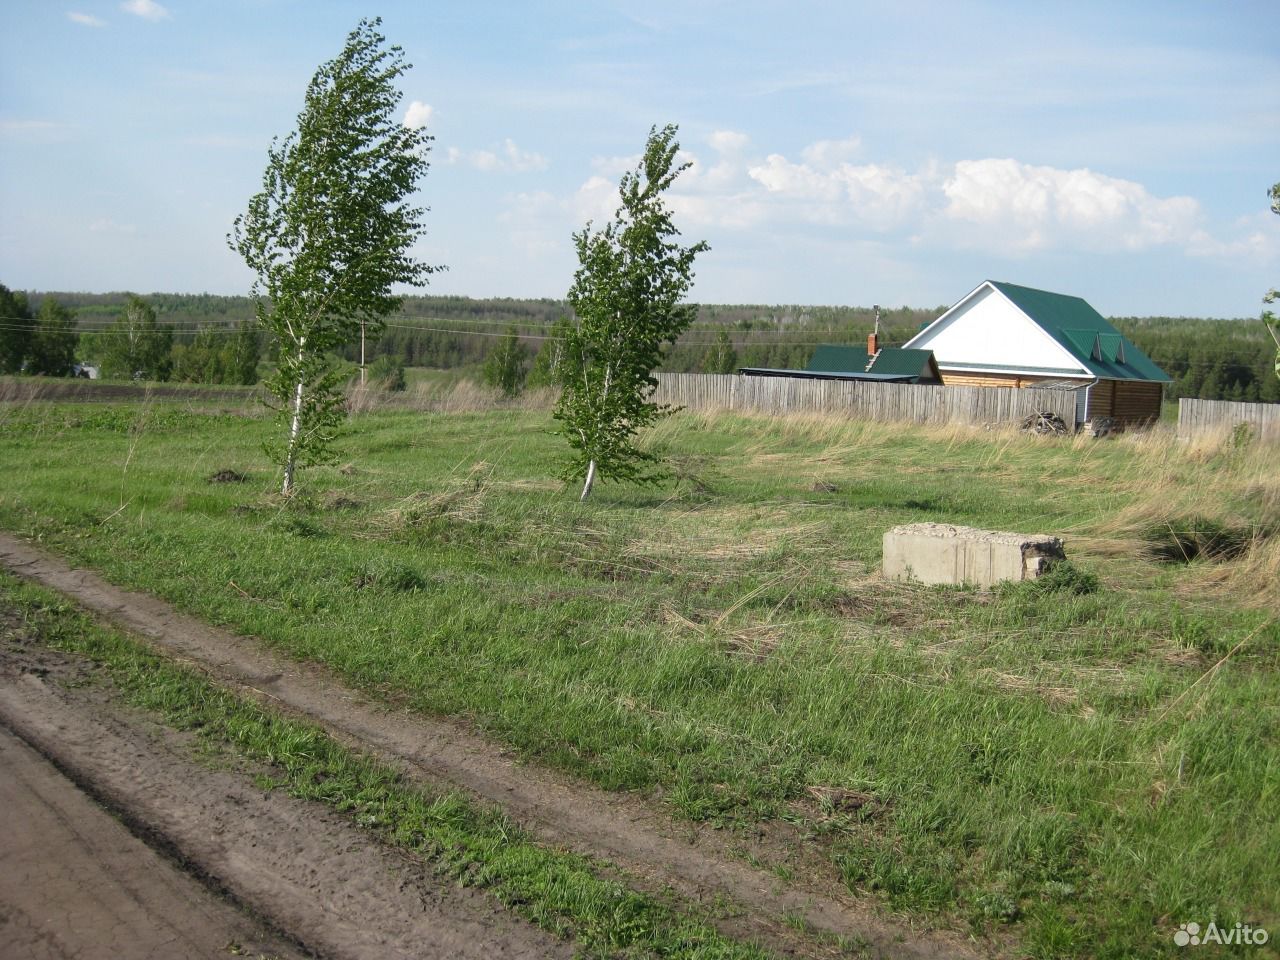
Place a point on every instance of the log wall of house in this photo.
(1136, 401)
(1102, 399)
(953, 378)
(1129, 401)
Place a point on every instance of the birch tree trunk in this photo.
(591, 479)
(295, 427)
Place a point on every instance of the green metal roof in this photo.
(1085, 333)
(899, 360)
(889, 362)
(833, 358)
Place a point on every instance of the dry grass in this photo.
(465, 396)
(463, 500)
(1253, 579)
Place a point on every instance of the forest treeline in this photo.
(1213, 359)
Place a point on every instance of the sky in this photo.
(842, 153)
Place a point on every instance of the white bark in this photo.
(295, 427)
(591, 479)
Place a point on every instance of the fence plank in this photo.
(1198, 417)
(865, 400)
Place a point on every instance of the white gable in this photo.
(987, 331)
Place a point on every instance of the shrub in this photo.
(387, 373)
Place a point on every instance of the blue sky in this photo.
(843, 153)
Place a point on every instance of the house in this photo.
(875, 363)
(1004, 335)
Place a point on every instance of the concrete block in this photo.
(942, 553)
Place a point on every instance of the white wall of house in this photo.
(986, 328)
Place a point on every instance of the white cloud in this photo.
(85, 19)
(728, 141)
(596, 200)
(510, 159)
(998, 206)
(829, 153)
(1035, 207)
(1257, 238)
(825, 191)
(146, 9)
(418, 115)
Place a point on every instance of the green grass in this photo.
(1043, 760)
(473, 846)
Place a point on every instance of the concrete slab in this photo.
(943, 553)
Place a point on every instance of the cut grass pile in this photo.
(474, 846)
(1090, 764)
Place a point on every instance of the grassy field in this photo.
(1082, 763)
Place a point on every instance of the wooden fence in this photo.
(1198, 417)
(863, 400)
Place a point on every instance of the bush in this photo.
(1064, 577)
(387, 373)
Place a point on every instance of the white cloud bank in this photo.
(997, 205)
(1035, 207)
(832, 196)
(146, 9)
(85, 19)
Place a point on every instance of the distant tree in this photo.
(722, 358)
(136, 346)
(625, 297)
(1269, 319)
(504, 367)
(549, 364)
(241, 354)
(387, 373)
(218, 356)
(17, 327)
(200, 361)
(331, 232)
(53, 347)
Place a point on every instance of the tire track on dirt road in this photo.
(325, 887)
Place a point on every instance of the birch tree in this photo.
(136, 346)
(330, 233)
(626, 298)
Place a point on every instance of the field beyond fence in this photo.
(1198, 417)
(862, 400)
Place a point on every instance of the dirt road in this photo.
(697, 863)
(246, 871)
(75, 883)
